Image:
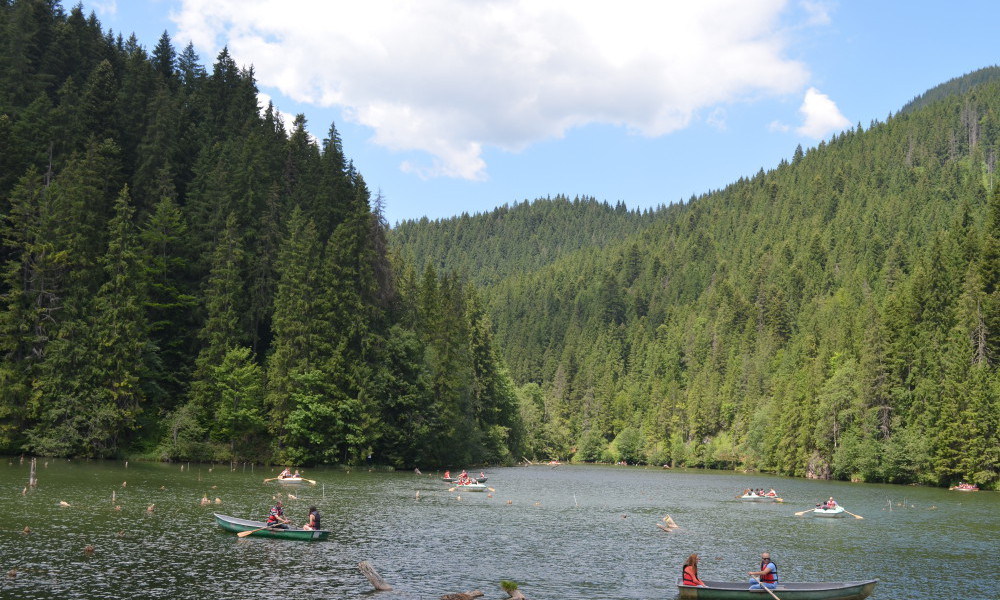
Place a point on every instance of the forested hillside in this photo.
(182, 277)
(516, 239)
(837, 316)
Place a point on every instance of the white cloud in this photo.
(821, 115)
(449, 77)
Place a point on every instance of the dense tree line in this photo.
(837, 316)
(185, 278)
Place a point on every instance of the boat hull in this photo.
(829, 513)
(454, 479)
(756, 498)
(289, 480)
(236, 525)
(470, 487)
(726, 590)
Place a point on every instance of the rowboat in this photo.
(829, 513)
(290, 480)
(759, 498)
(454, 479)
(727, 590)
(237, 525)
(964, 487)
(470, 487)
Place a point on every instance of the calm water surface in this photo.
(569, 532)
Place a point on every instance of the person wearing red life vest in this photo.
(767, 576)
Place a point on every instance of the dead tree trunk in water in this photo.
(373, 576)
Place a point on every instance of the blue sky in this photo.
(450, 106)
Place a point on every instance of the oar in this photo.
(765, 587)
(312, 481)
(491, 489)
(854, 515)
(271, 479)
(800, 513)
(246, 533)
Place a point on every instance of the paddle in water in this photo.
(765, 588)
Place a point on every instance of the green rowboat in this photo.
(237, 525)
(728, 590)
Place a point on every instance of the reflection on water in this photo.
(561, 533)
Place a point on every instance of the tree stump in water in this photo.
(373, 576)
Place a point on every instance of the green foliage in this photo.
(832, 317)
(239, 301)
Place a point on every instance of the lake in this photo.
(566, 532)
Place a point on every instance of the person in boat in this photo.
(313, 523)
(296, 474)
(447, 474)
(276, 518)
(767, 576)
(286, 473)
(772, 493)
(482, 475)
(831, 503)
(689, 572)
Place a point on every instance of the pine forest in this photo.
(183, 276)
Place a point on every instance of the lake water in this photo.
(567, 532)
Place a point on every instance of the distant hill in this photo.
(957, 86)
(837, 316)
(515, 239)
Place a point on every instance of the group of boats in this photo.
(247, 527)
(827, 510)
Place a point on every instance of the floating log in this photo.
(463, 595)
(373, 576)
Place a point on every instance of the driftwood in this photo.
(516, 595)
(373, 576)
(463, 596)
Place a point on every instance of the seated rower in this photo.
(276, 518)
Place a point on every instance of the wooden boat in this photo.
(829, 513)
(727, 590)
(237, 525)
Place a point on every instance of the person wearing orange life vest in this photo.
(689, 573)
(767, 576)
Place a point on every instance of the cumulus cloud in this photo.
(449, 78)
(821, 115)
